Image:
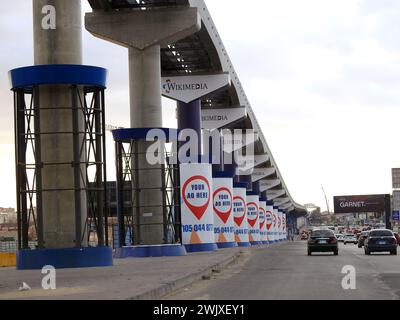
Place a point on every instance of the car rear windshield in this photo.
(322, 233)
(381, 233)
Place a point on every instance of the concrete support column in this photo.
(145, 87)
(144, 32)
(62, 45)
(146, 112)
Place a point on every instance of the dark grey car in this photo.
(380, 240)
(322, 240)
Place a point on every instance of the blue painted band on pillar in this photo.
(256, 243)
(126, 135)
(50, 74)
(189, 117)
(263, 199)
(232, 169)
(244, 244)
(270, 203)
(240, 185)
(252, 193)
(203, 247)
(65, 258)
(256, 186)
(246, 179)
(222, 174)
(150, 251)
(264, 194)
(226, 245)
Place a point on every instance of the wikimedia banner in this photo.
(223, 210)
(239, 215)
(196, 204)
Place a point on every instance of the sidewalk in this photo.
(146, 278)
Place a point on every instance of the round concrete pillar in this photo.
(60, 202)
(146, 112)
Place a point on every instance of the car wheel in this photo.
(393, 253)
(309, 252)
(336, 252)
(367, 252)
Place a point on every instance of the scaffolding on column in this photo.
(129, 189)
(86, 86)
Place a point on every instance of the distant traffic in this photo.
(371, 238)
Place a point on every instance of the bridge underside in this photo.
(204, 53)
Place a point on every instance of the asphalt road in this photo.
(284, 271)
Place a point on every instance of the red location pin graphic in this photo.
(262, 222)
(223, 215)
(239, 220)
(252, 222)
(198, 211)
(269, 221)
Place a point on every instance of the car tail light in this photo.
(333, 240)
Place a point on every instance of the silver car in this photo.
(350, 238)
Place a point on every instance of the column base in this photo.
(244, 244)
(265, 242)
(203, 247)
(224, 245)
(169, 250)
(65, 258)
(256, 243)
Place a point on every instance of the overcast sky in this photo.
(322, 76)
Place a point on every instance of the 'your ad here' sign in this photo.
(197, 204)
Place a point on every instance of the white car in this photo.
(340, 237)
(350, 238)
